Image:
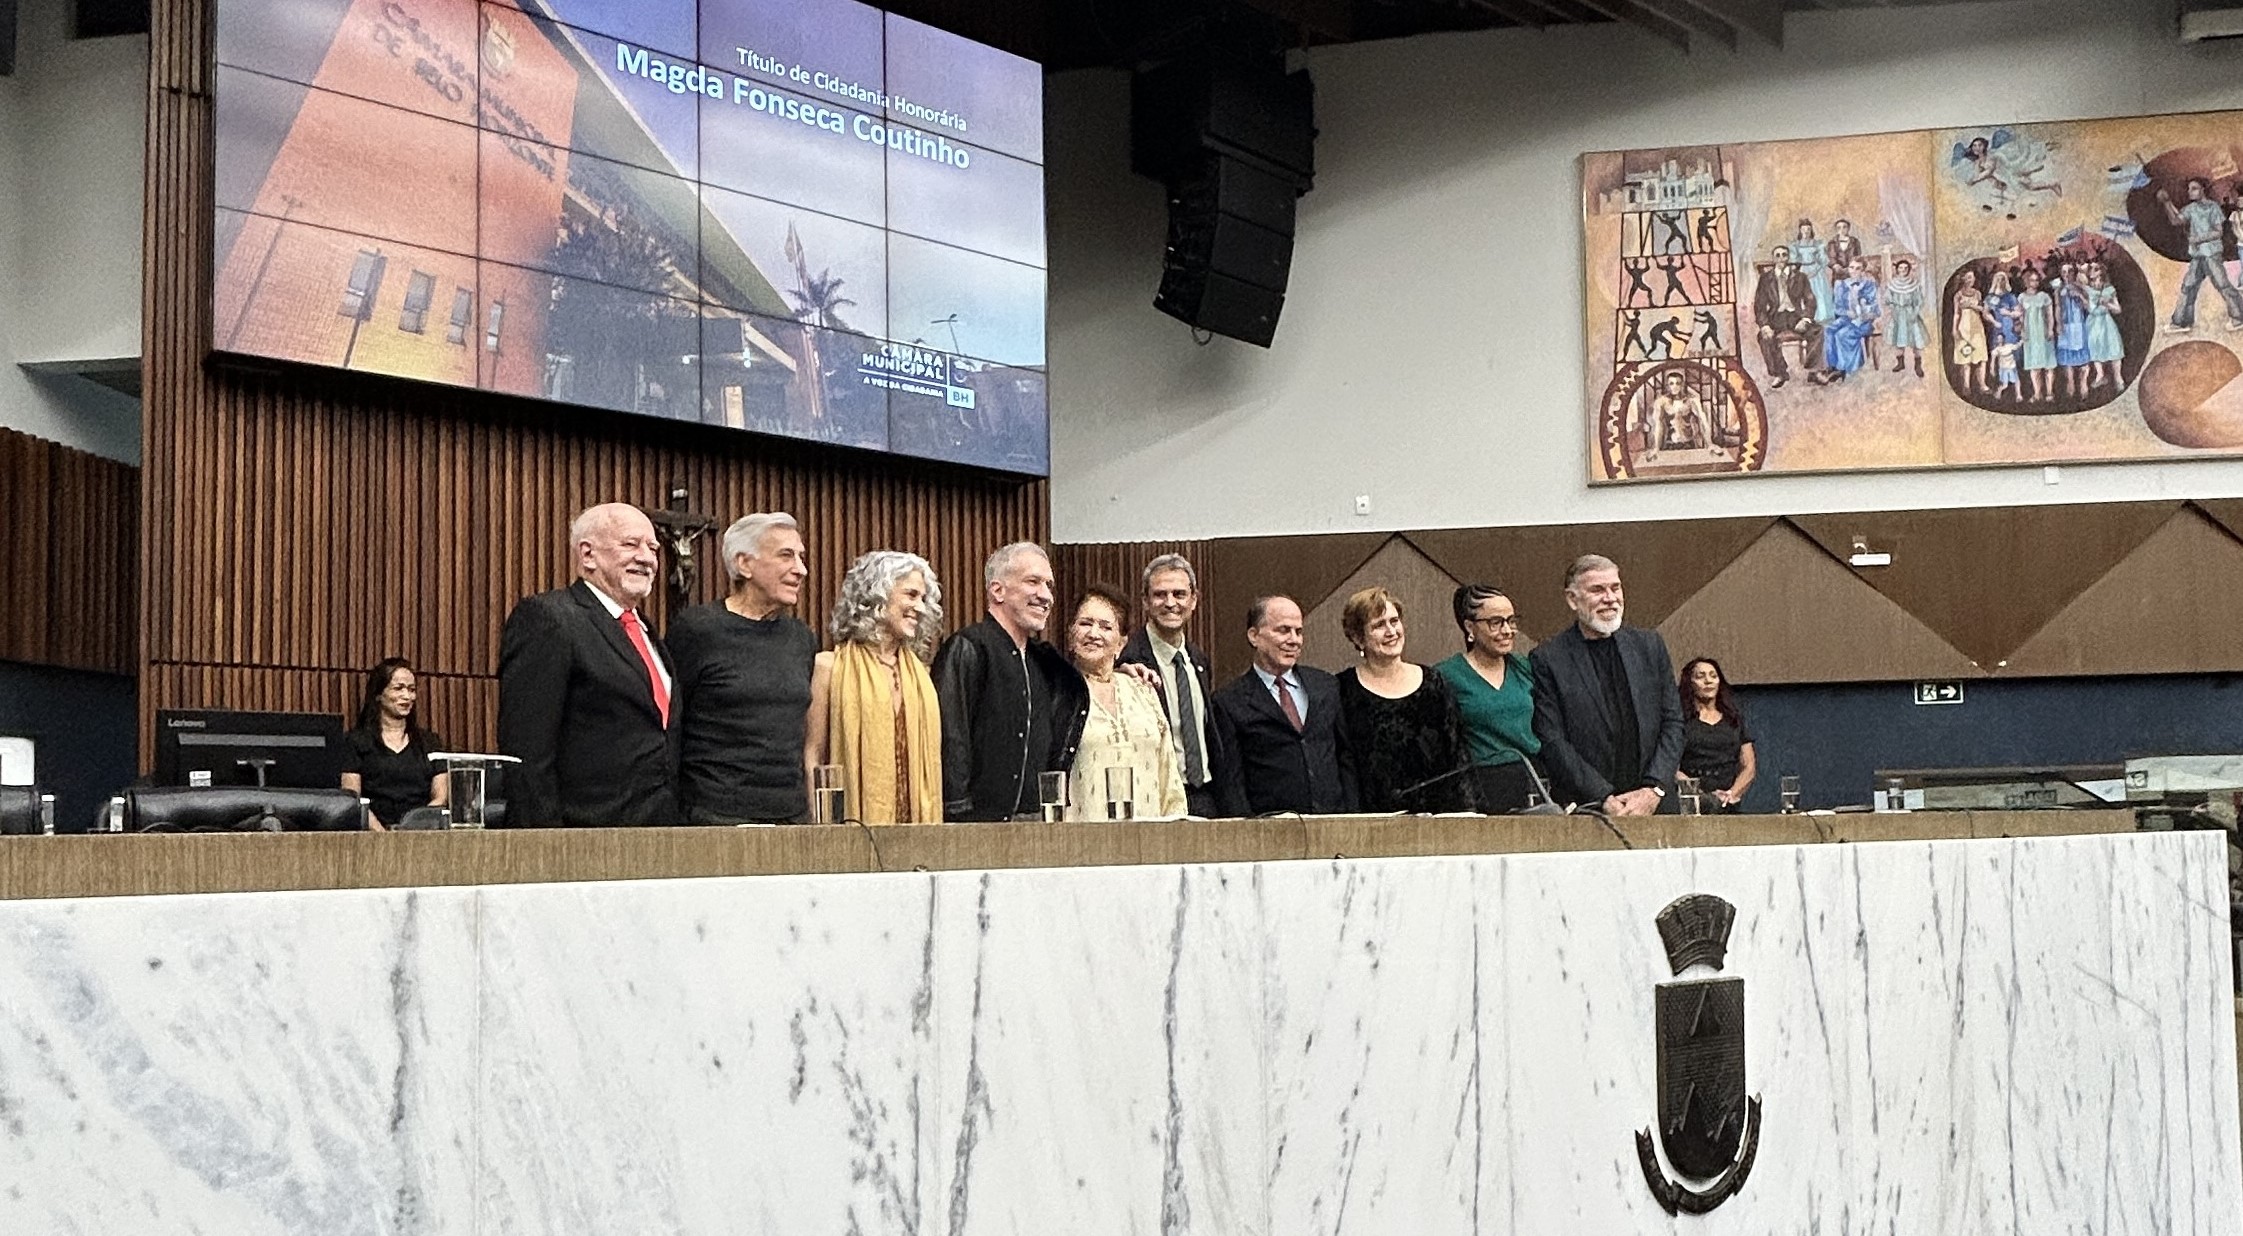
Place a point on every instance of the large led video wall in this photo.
(797, 217)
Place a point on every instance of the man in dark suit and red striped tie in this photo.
(1279, 742)
(584, 688)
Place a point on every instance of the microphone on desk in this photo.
(1409, 793)
(1544, 804)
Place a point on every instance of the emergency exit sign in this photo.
(1939, 693)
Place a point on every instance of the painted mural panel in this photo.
(2016, 294)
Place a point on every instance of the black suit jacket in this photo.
(576, 707)
(1139, 651)
(1767, 299)
(1574, 720)
(985, 721)
(1266, 765)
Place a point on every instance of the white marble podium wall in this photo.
(1960, 1037)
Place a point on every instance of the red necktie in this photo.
(637, 632)
(1285, 701)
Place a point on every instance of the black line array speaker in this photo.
(1235, 143)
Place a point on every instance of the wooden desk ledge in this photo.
(108, 866)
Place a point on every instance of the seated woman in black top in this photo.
(1716, 743)
(385, 757)
(1401, 718)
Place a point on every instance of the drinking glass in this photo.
(1051, 793)
(470, 784)
(1689, 796)
(1790, 787)
(829, 798)
(1121, 792)
(1896, 795)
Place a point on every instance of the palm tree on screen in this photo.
(817, 302)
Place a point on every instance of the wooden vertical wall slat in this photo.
(1121, 565)
(303, 526)
(69, 524)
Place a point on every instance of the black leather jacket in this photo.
(988, 766)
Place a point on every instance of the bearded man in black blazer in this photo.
(584, 688)
(1278, 738)
(1605, 702)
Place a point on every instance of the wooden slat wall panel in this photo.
(1121, 564)
(71, 520)
(2056, 588)
(304, 525)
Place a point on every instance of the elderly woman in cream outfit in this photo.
(1127, 725)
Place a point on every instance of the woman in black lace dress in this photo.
(1401, 718)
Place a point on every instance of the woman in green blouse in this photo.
(1495, 694)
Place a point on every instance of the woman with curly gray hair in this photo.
(872, 703)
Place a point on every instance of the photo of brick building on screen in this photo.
(481, 195)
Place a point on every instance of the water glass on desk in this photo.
(1121, 792)
(829, 798)
(1790, 788)
(1689, 797)
(1051, 793)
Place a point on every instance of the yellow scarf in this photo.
(861, 737)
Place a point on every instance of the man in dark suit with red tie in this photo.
(1279, 742)
(584, 688)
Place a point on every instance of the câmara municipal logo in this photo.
(1708, 1126)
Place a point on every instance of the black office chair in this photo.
(423, 819)
(242, 809)
(25, 812)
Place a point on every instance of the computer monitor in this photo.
(207, 747)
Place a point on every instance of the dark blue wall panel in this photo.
(1835, 737)
(84, 723)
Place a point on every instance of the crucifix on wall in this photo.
(682, 531)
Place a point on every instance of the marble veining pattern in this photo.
(1953, 1037)
(253, 1064)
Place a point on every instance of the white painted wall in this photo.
(1430, 350)
(70, 197)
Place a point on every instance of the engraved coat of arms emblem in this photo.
(1708, 1126)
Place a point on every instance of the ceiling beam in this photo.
(1762, 18)
(1332, 20)
(1689, 14)
(1567, 12)
(1518, 12)
(1633, 14)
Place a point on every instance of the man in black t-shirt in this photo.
(744, 667)
(1605, 704)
